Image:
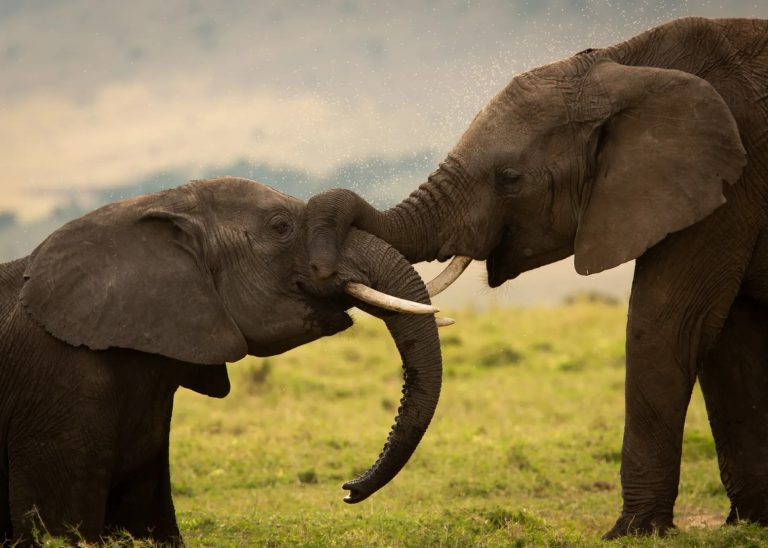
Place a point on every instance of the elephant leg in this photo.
(657, 398)
(57, 486)
(141, 502)
(734, 380)
(6, 531)
(681, 294)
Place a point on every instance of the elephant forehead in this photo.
(233, 194)
(526, 106)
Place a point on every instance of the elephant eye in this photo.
(507, 180)
(281, 225)
(509, 183)
(510, 175)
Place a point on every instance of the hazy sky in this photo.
(94, 94)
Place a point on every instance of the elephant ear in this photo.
(666, 148)
(133, 275)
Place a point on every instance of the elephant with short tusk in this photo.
(103, 322)
(655, 149)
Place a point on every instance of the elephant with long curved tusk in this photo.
(654, 149)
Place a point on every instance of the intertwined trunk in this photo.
(417, 227)
(417, 342)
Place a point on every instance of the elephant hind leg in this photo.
(734, 381)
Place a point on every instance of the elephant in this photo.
(654, 149)
(114, 311)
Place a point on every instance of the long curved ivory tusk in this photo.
(443, 280)
(382, 300)
(444, 322)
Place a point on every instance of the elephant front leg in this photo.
(57, 489)
(681, 294)
(658, 391)
(142, 505)
(6, 531)
(140, 502)
(734, 380)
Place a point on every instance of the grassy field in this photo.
(524, 448)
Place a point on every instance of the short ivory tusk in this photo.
(444, 322)
(382, 300)
(458, 265)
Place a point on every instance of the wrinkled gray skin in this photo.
(114, 311)
(655, 149)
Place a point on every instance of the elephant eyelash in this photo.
(511, 175)
(508, 180)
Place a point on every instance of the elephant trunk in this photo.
(417, 227)
(417, 342)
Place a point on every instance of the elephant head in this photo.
(587, 156)
(214, 270)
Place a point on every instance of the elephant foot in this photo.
(635, 524)
(753, 513)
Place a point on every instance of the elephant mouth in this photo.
(289, 343)
(497, 264)
(506, 262)
(322, 317)
(328, 305)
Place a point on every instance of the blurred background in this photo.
(100, 101)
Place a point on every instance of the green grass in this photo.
(524, 448)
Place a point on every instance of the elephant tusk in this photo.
(451, 273)
(444, 322)
(388, 302)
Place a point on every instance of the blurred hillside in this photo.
(380, 180)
